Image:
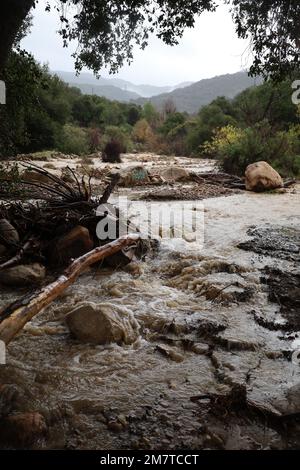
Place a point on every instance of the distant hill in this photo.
(107, 91)
(191, 98)
(114, 88)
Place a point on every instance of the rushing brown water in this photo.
(197, 305)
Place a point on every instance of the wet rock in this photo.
(23, 275)
(115, 426)
(216, 280)
(261, 176)
(134, 176)
(120, 259)
(174, 173)
(286, 404)
(70, 246)
(200, 348)
(8, 234)
(22, 428)
(284, 289)
(278, 242)
(170, 353)
(67, 175)
(102, 324)
(31, 175)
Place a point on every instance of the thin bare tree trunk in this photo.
(16, 316)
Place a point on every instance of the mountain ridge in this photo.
(191, 98)
(142, 90)
(187, 96)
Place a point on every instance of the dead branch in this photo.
(14, 319)
(19, 256)
(289, 183)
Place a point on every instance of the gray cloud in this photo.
(211, 48)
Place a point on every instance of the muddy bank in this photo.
(204, 311)
(188, 193)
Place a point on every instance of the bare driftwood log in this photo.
(16, 315)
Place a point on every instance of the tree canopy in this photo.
(107, 31)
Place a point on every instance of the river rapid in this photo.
(214, 363)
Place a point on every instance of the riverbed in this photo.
(214, 365)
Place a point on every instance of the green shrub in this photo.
(74, 140)
(237, 148)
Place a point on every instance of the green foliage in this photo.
(74, 140)
(236, 148)
(133, 115)
(273, 28)
(150, 114)
(271, 101)
(172, 121)
(87, 111)
(218, 114)
(38, 105)
(43, 113)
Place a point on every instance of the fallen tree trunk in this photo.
(16, 315)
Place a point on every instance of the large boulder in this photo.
(74, 244)
(23, 275)
(174, 173)
(8, 234)
(260, 176)
(102, 324)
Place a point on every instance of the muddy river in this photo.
(215, 365)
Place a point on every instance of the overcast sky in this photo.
(211, 48)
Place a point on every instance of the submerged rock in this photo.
(23, 275)
(261, 176)
(102, 324)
